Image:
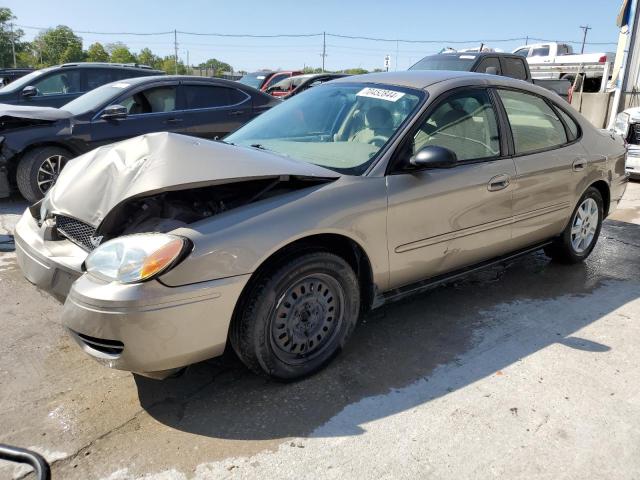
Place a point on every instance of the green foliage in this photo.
(218, 67)
(58, 45)
(6, 53)
(355, 71)
(119, 53)
(97, 53)
(147, 57)
(169, 65)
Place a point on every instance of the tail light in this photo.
(602, 59)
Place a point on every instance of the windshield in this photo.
(254, 80)
(95, 98)
(342, 127)
(25, 81)
(446, 62)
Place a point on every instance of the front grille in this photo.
(634, 134)
(110, 347)
(78, 232)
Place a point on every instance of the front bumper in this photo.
(52, 266)
(148, 327)
(633, 161)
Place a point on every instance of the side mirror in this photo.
(114, 112)
(433, 156)
(29, 91)
(491, 71)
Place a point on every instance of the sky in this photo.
(442, 21)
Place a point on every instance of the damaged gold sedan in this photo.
(166, 248)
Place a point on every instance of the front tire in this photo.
(581, 234)
(38, 171)
(294, 319)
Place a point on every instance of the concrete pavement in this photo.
(527, 370)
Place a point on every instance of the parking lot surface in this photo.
(526, 370)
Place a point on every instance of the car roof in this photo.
(423, 79)
(420, 79)
(182, 78)
(126, 66)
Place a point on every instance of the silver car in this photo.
(166, 248)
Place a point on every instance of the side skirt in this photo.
(427, 284)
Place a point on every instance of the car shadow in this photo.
(479, 325)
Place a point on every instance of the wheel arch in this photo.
(342, 245)
(605, 191)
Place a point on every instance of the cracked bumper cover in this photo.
(160, 328)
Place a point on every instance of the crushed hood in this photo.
(634, 114)
(32, 113)
(93, 184)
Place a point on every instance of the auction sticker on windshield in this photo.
(380, 93)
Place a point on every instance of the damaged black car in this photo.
(37, 142)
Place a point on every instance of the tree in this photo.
(97, 53)
(355, 71)
(169, 65)
(59, 45)
(120, 53)
(218, 67)
(147, 57)
(6, 50)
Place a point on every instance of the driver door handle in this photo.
(173, 121)
(498, 182)
(236, 113)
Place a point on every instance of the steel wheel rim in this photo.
(49, 171)
(307, 318)
(584, 225)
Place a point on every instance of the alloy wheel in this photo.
(49, 171)
(584, 225)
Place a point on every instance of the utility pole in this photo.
(397, 52)
(586, 28)
(526, 42)
(324, 48)
(188, 64)
(13, 46)
(175, 49)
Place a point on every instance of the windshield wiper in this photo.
(258, 145)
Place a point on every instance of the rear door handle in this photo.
(579, 164)
(499, 182)
(173, 121)
(236, 113)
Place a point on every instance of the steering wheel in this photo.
(378, 141)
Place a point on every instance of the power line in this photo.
(326, 34)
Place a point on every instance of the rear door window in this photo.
(98, 77)
(572, 126)
(534, 124)
(209, 96)
(514, 68)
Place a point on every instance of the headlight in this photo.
(135, 258)
(621, 125)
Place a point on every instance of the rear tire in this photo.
(294, 319)
(38, 171)
(579, 237)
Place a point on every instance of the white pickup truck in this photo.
(557, 60)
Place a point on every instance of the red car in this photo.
(264, 79)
